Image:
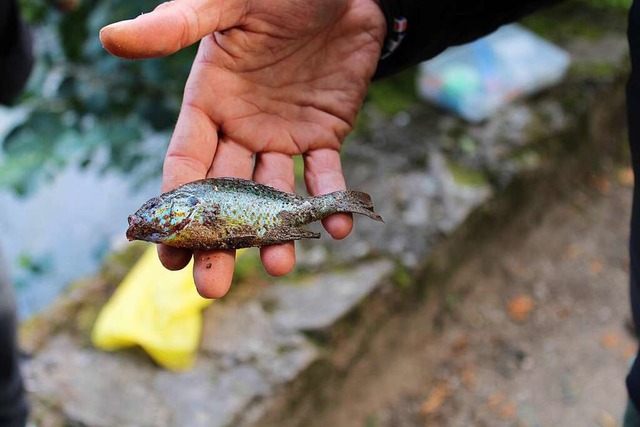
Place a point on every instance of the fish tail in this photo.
(349, 201)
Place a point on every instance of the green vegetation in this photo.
(578, 19)
(83, 104)
(248, 267)
(528, 158)
(371, 421)
(298, 168)
(402, 276)
(465, 176)
(451, 302)
(613, 4)
(394, 94)
(603, 71)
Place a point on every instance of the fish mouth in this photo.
(140, 229)
(134, 221)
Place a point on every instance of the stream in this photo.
(61, 232)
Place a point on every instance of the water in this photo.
(62, 232)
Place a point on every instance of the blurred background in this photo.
(501, 266)
(82, 148)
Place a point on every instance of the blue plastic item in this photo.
(477, 79)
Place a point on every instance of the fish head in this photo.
(162, 217)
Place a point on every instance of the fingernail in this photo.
(105, 30)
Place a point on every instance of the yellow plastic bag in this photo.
(157, 309)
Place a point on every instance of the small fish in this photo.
(232, 213)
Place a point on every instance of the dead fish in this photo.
(233, 213)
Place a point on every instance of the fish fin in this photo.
(301, 233)
(356, 202)
(287, 234)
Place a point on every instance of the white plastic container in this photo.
(476, 79)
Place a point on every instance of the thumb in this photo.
(171, 26)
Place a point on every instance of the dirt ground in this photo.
(535, 332)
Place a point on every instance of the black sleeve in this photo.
(418, 30)
(16, 54)
(13, 403)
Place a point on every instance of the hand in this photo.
(271, 79)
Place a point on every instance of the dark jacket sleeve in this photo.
(16, 54)
(421, 29)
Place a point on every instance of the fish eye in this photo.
(152, 204)
(193, 201)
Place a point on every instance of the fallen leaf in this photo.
(519, 308)
(602, 184)
(572, 251)
(468, 376)
(610, 340)
(436, 398)
(507, 411)
(596, 266)
(629, 351)
(625, 176)
(503, 408)
(460, 344)
(563, 312)
(605, 419)
(495, 400)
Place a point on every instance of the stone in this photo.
(94, 388)
(206, 397)
(318, 302)
(248, 335)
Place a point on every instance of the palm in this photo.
(271, 79)
(289, 85)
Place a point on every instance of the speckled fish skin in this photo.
(233, 213)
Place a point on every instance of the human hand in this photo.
(271, 79)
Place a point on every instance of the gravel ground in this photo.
(535, 330)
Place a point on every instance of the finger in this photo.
(170, 27)
(276, 170)
(192, 148)
(188, 158)
(213, 270)
(323, 174)
(232, 159)
(173, 258)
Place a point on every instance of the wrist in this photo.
(16, 55)
(8, 18)
(396, 26)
